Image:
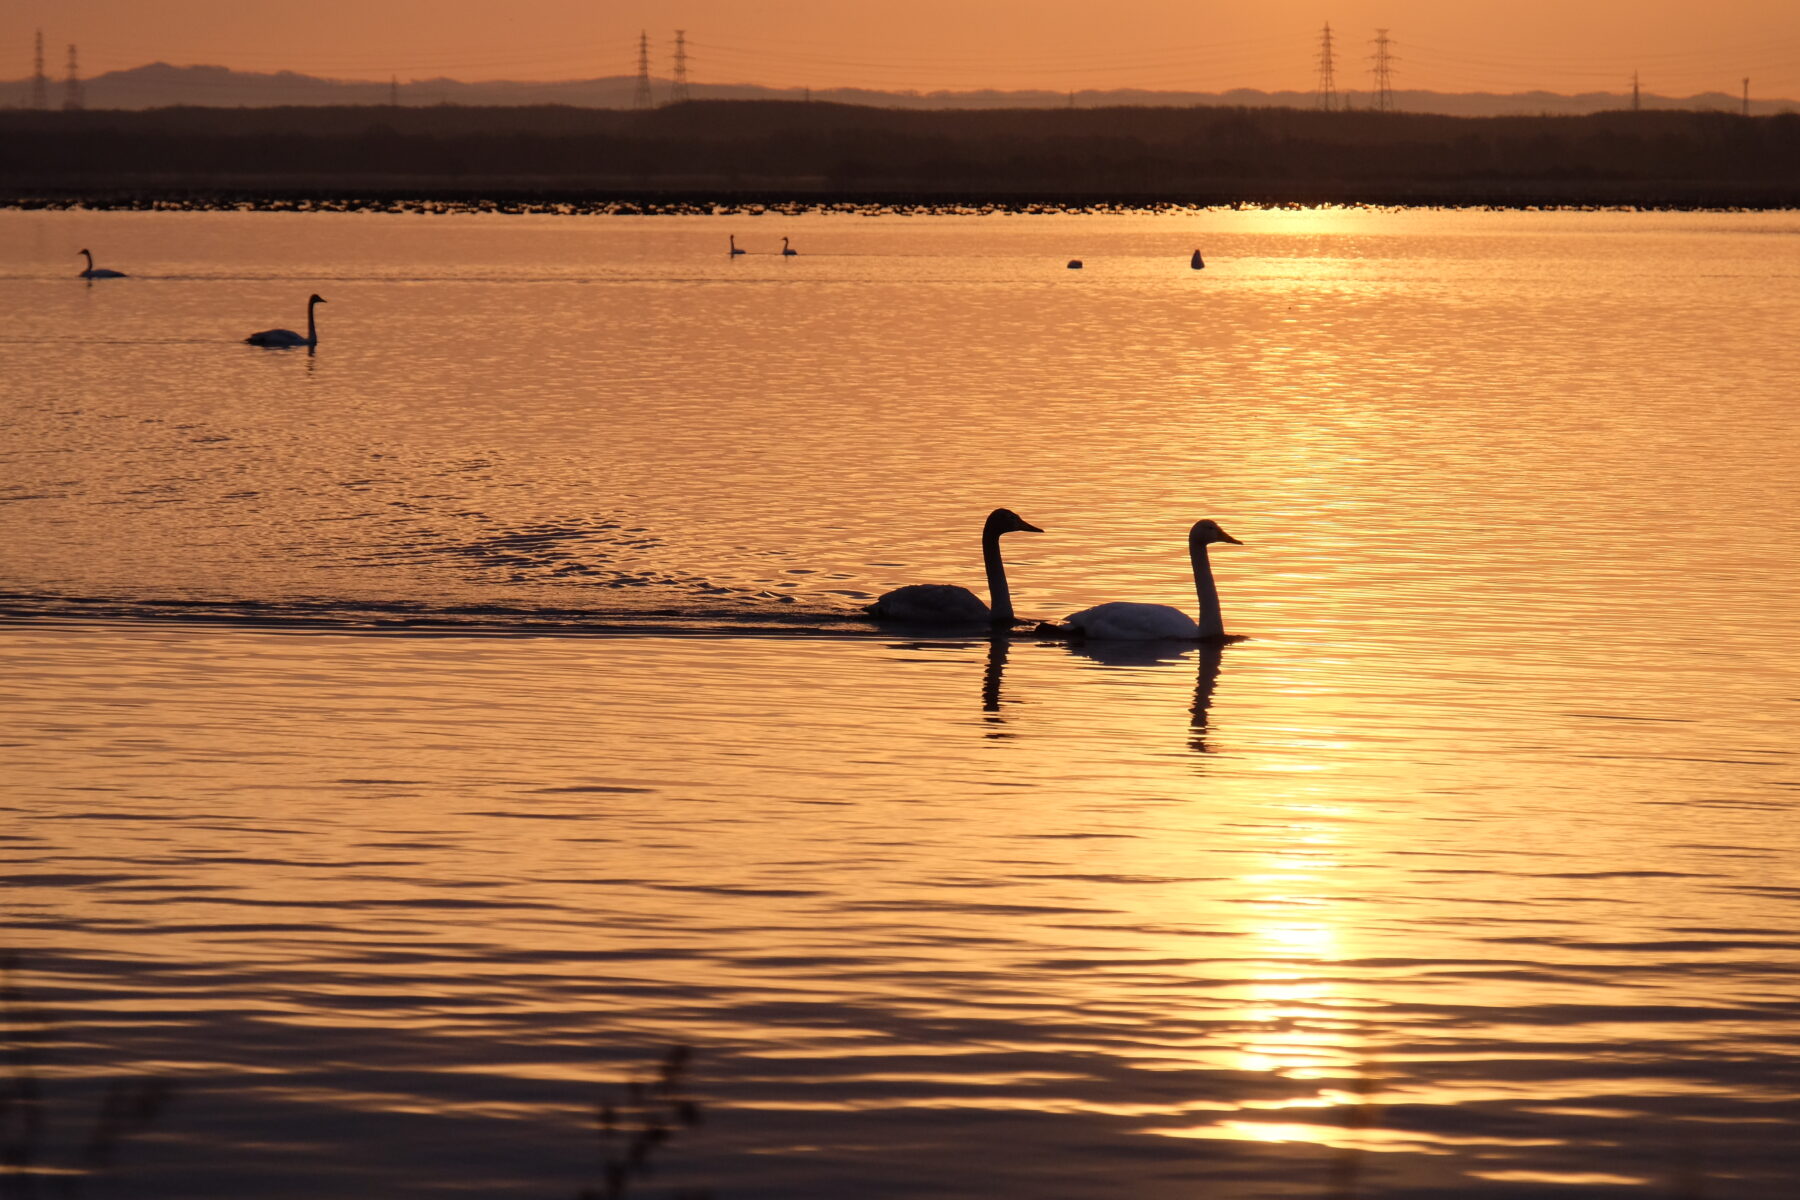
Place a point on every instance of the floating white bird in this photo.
(94, 272)
(734, 246)
(1121, 621)
(947, 604)
(787, 250)
(281, 339)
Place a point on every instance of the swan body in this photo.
(787, 250)
(1123, 621)
(281, 339)
(734, 246)
(1143, 622)
(1196, 262)
(947, 604)
(94, 272)
(1074, 264)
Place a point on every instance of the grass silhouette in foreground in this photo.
(31, 1163)
(653, 1111)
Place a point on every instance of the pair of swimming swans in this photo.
(281, 339)
(946, 604)
(787, 251)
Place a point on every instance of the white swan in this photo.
(283, 338)
(1141, 622)
(947, 604)
(94, 272)
(734, 246)
(787, 250)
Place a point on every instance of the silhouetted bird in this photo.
(94, 272)
(1124, 621)
(947, 604)
(280, 339)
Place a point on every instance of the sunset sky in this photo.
(1680, 47)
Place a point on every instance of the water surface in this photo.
(401, 754)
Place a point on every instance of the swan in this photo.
(947, 604)
(1196, 262)
(1141, 622)
(94, 272)
(734, 246)
(283, 338)
(787, 250)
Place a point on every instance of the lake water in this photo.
(406, 744)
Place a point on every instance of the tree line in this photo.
(1193, 155)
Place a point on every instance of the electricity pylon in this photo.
(1327, 65)
(40, 87)
(642, 98)
(678, 86)
(72, 84)
(1384, 72)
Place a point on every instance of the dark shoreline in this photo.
(528, 198)
(740, 156)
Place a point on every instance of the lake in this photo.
(454, 761)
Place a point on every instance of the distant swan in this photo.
(947, 604)
(1196, 262)
(283, 338)
(94, 272)
(1140, 622)
(788, 250)
(734, 246)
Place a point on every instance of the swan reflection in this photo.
(1209, 658)
(991, 678)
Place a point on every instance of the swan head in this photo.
(315, 298)
(89, 253)
(1005, 520)
(1206, 533)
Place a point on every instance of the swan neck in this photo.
(1000, 596)
(312, 328)
(1211, 622)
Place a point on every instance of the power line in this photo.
(1327, 81)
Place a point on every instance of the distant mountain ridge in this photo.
(159, 85)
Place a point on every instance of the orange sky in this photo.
(1680, 47)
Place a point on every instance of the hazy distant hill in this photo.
(160, 85)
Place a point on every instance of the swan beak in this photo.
(1226, 537)
(1027, 527)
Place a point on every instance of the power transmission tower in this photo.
(642, 98)
(1384, 72)
(72, 84)
(393, 91)
(1746, 95)
(1636, 103)
(40, 87)
(1327, 64)
(678, 86)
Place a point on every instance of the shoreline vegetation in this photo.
(705, 155)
